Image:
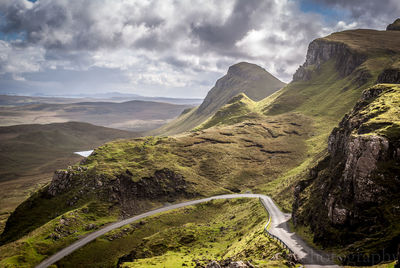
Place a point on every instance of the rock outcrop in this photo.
(320, 51)
(244, 78)
(395, 26)
(60, 182)
(351, 196)
(390, 75)
(164, 185)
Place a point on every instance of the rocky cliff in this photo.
(76, 186)
(321, 50)
(351, 197)
(164, 185)
(390, 75)
(395, 26)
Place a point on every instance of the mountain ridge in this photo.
(243, 77)
(268, 147)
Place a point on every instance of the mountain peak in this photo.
(244, 68)
(250, 79)
(395, 26)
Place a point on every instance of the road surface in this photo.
(307, 256)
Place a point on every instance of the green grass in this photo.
(35, 149)
(29, 154)
(55, 235)
(238, 109)
(383, 113)
(378, 115)
(214, 230)
(266, 146)
(246, 78)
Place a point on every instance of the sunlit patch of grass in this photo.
(55, 235)
(214, 230)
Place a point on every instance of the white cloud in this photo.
(165, 46)
(18, 60)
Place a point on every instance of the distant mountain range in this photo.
(12, 100)
(133, 115)
(325, 147)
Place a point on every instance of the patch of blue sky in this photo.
(10, 36)
(328, 12)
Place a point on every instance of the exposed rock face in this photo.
(163, 185)
(213, 264)
(391, 76)
(354, 190)
(320, 51)
(60, 182)
(242, 77)
(395, 26)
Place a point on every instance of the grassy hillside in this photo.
(132, 115)
(35, 149)
(350, 200)
(263, 145)
(216, 230)
(29, 154)
(330, 88)
(243, 77)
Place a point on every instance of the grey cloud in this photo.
(152, 42)
(49, 22)
(237, 25)
(162, 40)
(176, 62)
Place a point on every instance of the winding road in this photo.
(306, 255)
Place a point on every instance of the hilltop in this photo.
(242, 77)
(264, 145)
(29, 154)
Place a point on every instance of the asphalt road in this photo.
(307, 256)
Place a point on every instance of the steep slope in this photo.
(242, 77)
(337, 69)
(238, 109)
(351, 198)
(395, 26)
(264, 146)
(29, 154)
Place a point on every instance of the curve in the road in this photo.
(278, 227)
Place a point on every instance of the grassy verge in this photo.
(55, 235)
(215, 230)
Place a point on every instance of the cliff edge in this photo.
(350, 198)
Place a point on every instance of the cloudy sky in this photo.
(163, 47)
